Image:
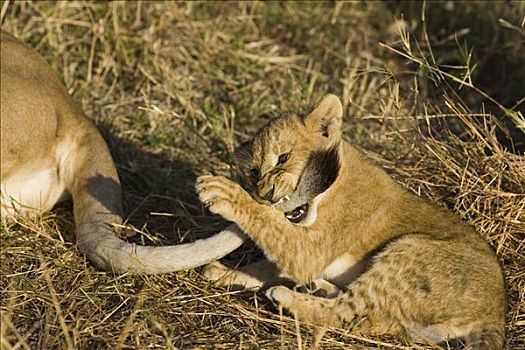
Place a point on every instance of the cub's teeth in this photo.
(283, 199)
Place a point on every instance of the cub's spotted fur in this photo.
(386, 261)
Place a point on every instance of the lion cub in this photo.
(320, 211)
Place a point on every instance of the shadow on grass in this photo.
(158, 197)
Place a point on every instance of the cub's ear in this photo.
(326, 118)
(244, 153)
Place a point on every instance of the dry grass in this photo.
(174, 87)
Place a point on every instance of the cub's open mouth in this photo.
(298, 214)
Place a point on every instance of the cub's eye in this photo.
(283, 158)
(255, 173)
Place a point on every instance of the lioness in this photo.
(50, 150)
(397, 264)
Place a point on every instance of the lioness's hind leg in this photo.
(252, 276)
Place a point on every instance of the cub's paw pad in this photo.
(319, 288)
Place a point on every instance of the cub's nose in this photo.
(268, 196)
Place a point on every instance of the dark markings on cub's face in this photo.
(320, 172)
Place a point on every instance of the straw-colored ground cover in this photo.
(434, 99)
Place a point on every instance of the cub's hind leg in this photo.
(308, 308)
(262, 275)
(327, 312)
(252, 276)
(415, 285)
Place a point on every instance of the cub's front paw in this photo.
(319, 288)
(280, 296)
(215, 271)
(221, 196)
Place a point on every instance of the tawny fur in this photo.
(50, 150)
(405, 266)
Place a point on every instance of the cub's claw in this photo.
(220, 195)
